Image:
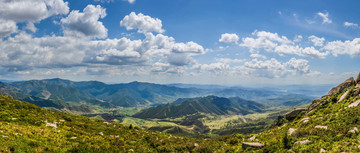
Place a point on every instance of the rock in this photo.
(344, 96)
(253, 137)
(356, 91)
(316, 103)
(252, 144)
(322, 150)
(353, 130)
(196, 145)
(292, 131)
(292, 115)
(321, 127)
(304, 120)
(101, 133)
(302, 142)
(341, 87)
(354, 104)
(358, 79)
(73, 137)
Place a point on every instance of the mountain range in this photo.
(208, 105)
(134, 94)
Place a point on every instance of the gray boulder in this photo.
(292, 115)
(341, 87)
(252, 145)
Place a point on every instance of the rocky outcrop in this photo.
(316, 103)
(292, 115)
(354, 130)
(292, 131)
(302, 142)
(358, 79)
(344, 96)
(342, 87)
(252, 145)
(304, 120)
(321, 127)
(354, 104)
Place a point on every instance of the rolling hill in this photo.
(209, 105)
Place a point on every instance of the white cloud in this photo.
(350, 24)
(131, 1)
(272, 42)
(316, 40)
(324, 17)
(349, 47)
(229, 60)
(142, 22)
(28, 11)
(31, 10)
(230, 38)
(299, 65)
(7, 27)
(189, 47)
(30, 26)
(85, 23)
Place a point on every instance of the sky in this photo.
(227, 42)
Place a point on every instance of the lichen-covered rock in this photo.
(344, 95)
(292, 115)
(252, 144)
(302, 142)
(321, 127)
(354, 104)
(292, 131)
(341, 87)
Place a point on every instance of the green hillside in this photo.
(208, 105)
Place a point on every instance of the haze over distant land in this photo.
(192, 42)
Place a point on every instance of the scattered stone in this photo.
(354, 104)
(344, 96)
(292, 115)
(302, 142)
(117, 136)
(13, 118)
(101, 133)
(304, 120)
(322, 150)
(196, 145)
(107, 123)
(353, 130)
(292, 131)
(132, 150)
(252, 144)
(73, 137)
(341, 87)
(62, 120)
(4, 136)
(51, 124)
(321, 127)
(253, 137)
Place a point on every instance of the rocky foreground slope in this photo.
(329, 124)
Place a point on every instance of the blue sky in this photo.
(207, 42)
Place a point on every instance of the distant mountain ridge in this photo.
(208, 105)
(135, 93)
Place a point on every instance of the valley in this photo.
(188, 110)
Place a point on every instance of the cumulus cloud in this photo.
(131, 1)
(349, 47)
(85, 23)
(299, 65)
(325, 17)
(317, 41)
(272, 42)
(28, 11)
(7, 27)
(229, 60)
(230, 38)
(142, 23)
(350, 24)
